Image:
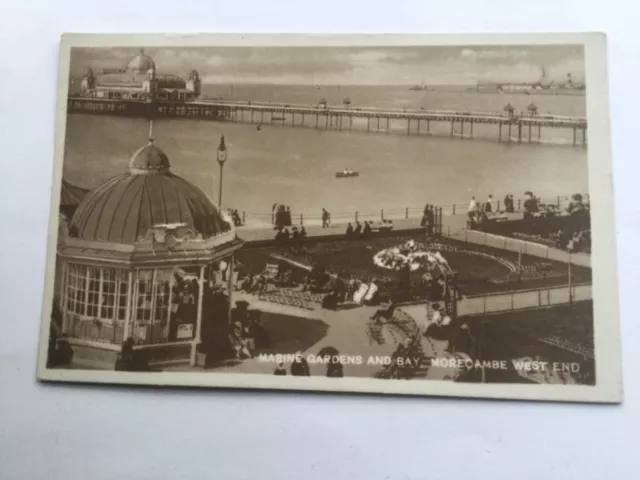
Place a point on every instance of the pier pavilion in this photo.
(139, 81)
(146, 256)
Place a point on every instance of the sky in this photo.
(437, 65)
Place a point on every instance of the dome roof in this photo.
(141, 63)
(149, 159)
(71, 195)
(124, 208)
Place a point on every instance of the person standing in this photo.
(430, 219)
(335, 369)
(325, 218)
(488, 207)
(349, 232)
(471, 212)
(300, 367)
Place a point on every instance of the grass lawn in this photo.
(515, 335)
(289, 334)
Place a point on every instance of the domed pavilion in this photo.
(145, 256)
(140, 81)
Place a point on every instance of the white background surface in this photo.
(83, 432)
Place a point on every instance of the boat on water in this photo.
(420, 88)
(347, 174)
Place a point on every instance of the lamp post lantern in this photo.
(222, 157)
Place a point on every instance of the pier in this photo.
(509, 127)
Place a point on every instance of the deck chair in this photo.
(271, 271)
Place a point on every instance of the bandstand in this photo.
(146, 256)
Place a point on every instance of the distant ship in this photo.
(420, 88)
(542, 86)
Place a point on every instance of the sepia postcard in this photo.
(393, 214)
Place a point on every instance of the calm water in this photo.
(440, 98)
(296, 166)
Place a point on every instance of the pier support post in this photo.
(500, 131)
(574, 136)
(356, 216)
(368, 124)
(340, 122)
(519, 132)
(261, 116)
(462, 128)
(387, 124)
(243, 217)
(302, 120)
(382, 214)
(529, 132)
(293, 119)
(301, 219)
(509, 132)
(317, 119)
(584, 135)
(377, 123)
(453, 210)
(539, 131)
(418, 127)
(471, 133)
(406, 213)
(408, 126)
(428, 125)
(452, 127)
(252, 116)
(350, 122)
(326, 120)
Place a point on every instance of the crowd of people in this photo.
(568, 229)
(248, 333)
(300, 367)
(367, 228)
(480, 212)
(428, 218)
(281, 215)
(283, 234)
(576, 235)
(235, 217)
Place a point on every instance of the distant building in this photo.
(140, 81)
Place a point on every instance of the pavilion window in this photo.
(123, 297)
(144, 294)
(76, 289)
(162, 295)
(109, 281)
(93, 291)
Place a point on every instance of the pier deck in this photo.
(511, 127)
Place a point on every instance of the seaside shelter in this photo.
(144, 257)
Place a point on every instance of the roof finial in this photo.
(150, 131)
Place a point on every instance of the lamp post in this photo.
(222, 157)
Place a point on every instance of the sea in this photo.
(296, 166)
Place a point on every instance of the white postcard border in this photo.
(608, 388)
